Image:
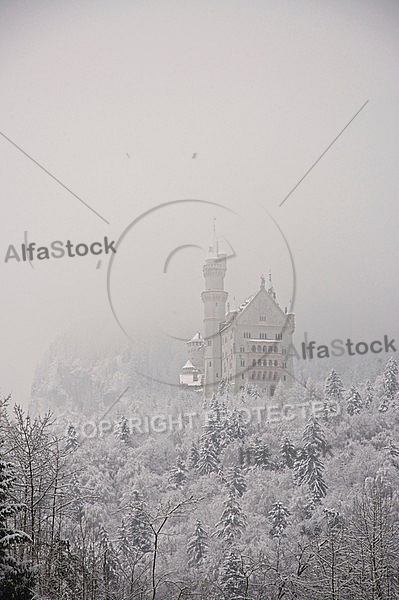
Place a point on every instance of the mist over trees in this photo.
(228, 508)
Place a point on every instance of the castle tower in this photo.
(195, 348)
(214, 298)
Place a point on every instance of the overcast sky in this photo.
(114, 98)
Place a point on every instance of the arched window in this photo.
(259, 362)
(270, 363)
(275, 363)
(275, 349)
(264, 375)
(270, 349)
(264, 349)
(264, 362)
(259, 349)
(259, 374)
(253, 348)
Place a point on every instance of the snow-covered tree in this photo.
(309, 470)
(16, 577)
(369, 394)
(72, 443)
(214, 432)
(278, 516)
(193, 456)
(197, 545)
(135, 532)
(233, 580)
(177, 475)
(232, 522)
(354, 402)
(122, 429)
(288, 453)
(260, 454)
(208, 461)
(235, 426)
(235, 481)
(313, 435)
(333, 392)
(391, 385)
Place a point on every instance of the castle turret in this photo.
(214, 298)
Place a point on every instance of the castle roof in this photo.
(197, 338)
(189, 366)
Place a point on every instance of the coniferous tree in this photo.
(208, 461)
(391, 385)
(278, 516)
(288, 453)
(232, 522)
(122, 430)
(353, 401)
(193, 456)
(16, 577)
(313, 435)
(260, 455)
(177, 475)
(309, 470)
(333, 393)
(235, 481)
(233, 579)
(139, 532)
(369, 395)
(197, 546)
(235, 426)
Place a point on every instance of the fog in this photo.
(134, 105)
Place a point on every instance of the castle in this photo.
(245, 345)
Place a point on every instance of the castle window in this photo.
(253, 375)
(264, 363)
(275, 349)
(259, 375)
(242, 349)
(259, 349)
(275, 363)
(272, 390)
(262, 318)
(253, 348)
(210, 363)
(253, 362)
(270, 374)
(284, 351)
(243, 363)
(259, 363)
(264, 349)
(275, 376)
(242, 376)
(270, 363)
(270, 349)
(285, 378)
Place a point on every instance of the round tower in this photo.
(214, 298)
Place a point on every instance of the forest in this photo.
(298, 509)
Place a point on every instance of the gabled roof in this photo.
(196, 338)
(243, 307)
